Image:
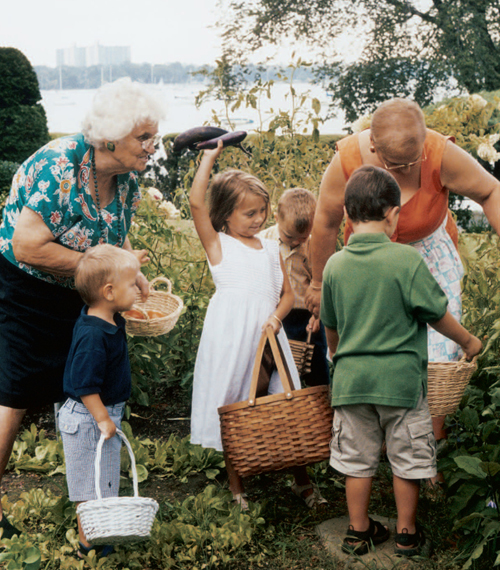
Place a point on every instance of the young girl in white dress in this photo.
(252, 293)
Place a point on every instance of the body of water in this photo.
(66, 109)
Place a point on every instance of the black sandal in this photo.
(358, 542)
(416, 544)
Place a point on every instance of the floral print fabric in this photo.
(54, 183)
(443, 261)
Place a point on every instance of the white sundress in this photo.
(248, 285)
(442, 259)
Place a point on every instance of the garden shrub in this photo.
(469, 457)
(23, 122)
(175, 253)
(7, 171)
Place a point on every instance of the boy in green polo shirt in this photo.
(377, 300)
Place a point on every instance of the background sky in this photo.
(158, 31)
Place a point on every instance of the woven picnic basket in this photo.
(446, 383)
(117, 520)
(276, 432)
(163, 301)
(302, 352)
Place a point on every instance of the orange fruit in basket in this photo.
(155, 314)
(134, 314)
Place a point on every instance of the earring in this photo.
(372, 149)
(110, 146)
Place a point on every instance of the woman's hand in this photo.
(142, 255)
(143, 285)
(313, 300)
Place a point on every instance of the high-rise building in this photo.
(93, 55)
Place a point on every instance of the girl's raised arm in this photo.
(199, 209)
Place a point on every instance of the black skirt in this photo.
(36, 327)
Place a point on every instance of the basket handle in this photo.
(281, 363)
(464, 359)
(162, 279)
(97, 464)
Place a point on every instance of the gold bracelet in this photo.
(315, 288)
(278, 319)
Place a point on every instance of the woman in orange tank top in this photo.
(426, 166)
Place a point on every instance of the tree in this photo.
(410, 46)
(23, 123)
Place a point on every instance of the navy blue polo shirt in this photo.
(98, 361)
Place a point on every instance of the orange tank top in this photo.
(426, 210)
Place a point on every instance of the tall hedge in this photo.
(23, 122)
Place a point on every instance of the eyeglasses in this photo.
(154, 141)
(406, 165)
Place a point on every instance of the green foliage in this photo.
(361, 86)
(34, 452)
(175, 253)
(24, 130)
(23, 122)
(18, 81)
(427, 44)
(20, 554)
(7, 171)
(204, 531)
(470, 456)
(172, 458)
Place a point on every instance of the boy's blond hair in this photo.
(99, 265)
(298, 205)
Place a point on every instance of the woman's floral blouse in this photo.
(54, 183)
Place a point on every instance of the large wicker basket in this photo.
(117, 520)
(302, 352)
(163, 301)
(280, 431)
(446, 384)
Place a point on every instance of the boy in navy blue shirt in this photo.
(97, 379)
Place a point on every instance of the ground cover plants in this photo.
(198, 527)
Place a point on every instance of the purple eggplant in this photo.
(189, 138)
(228, 139)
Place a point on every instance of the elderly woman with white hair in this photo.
(75, 192)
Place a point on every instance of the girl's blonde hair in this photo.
(99, 265)
(226, 192)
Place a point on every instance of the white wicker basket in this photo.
(116, 520)
(164, 301)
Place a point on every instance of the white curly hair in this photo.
(118, 108)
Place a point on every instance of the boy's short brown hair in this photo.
(298, 205)
(369, 193)
(99, 265)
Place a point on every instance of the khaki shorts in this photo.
(360, 430)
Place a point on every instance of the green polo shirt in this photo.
(379, 296)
